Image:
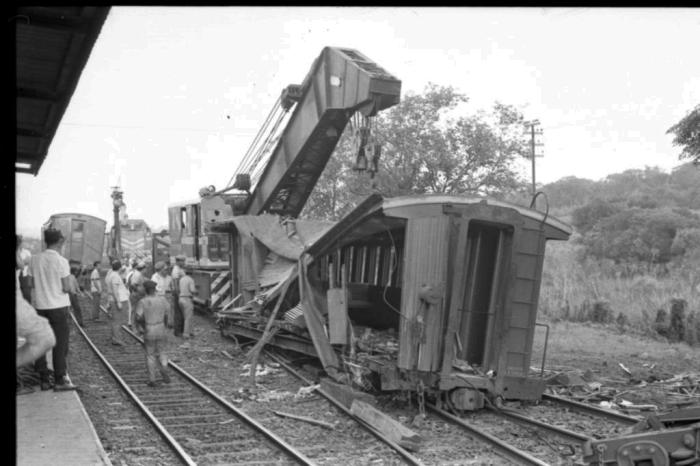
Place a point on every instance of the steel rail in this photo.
(524, 420)
(396, 447)
(159, 427)
(509, 451)
(577, 405)
(297, 455)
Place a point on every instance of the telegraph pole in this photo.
(533, 145)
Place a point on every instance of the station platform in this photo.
(54, 428)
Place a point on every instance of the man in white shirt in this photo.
(24, 257)
(49, 273)
(164, 286)
(119, 301)
(96, 290)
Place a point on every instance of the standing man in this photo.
(177, 273)
(164, 287)
(73, 293)
(136, 290)
(24, 257)
(96, 290)
(187, 291)
(152, 314)
(49, 276)
(119, 301)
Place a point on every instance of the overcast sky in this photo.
(150, 110)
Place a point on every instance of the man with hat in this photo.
(118, 300)
(49, 276)
(136, 291)
(164, 285)
(151, 313)
(177, 273)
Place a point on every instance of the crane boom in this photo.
(341, 82)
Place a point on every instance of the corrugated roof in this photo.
(52, 47)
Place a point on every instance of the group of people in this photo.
(151, 305)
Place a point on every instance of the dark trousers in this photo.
(58, 319)
(77, 310)
(178, 317)
(96, 297)
(25, 288)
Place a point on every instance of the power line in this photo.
(156, 128)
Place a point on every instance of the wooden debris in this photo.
(622, 366)
(254, 352)
(344, 393)
(227, 354)
(394, 430)
(305, 419)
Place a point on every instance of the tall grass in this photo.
(576, 288)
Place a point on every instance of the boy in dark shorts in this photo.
(152, 316)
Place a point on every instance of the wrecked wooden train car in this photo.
(433, 292)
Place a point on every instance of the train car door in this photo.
(481, 273)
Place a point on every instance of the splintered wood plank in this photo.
(389, 427)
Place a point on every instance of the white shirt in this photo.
(187, 287)
(114, 285)
(24, 257)
(163, 283)
(177, 274)
(95, 284)
(48, 268)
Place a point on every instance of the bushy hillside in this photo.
(635, 251)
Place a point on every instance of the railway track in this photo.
(492, 428)
(208, 436)
(200, 427)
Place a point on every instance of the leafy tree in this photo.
(428, 146)
(639, 235)
(687, 135)
(570, 191)
(587, 217)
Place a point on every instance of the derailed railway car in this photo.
(84, 236)
(433, 293)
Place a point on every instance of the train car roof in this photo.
(377, 213)
(75, 214)
(184, 203)
(393, 203)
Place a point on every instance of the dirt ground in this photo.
(623, 366)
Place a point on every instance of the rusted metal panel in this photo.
(425, 263)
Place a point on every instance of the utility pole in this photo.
(117, 202)
(533, 145)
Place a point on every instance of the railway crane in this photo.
(435, 294)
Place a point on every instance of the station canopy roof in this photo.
(52, 47)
